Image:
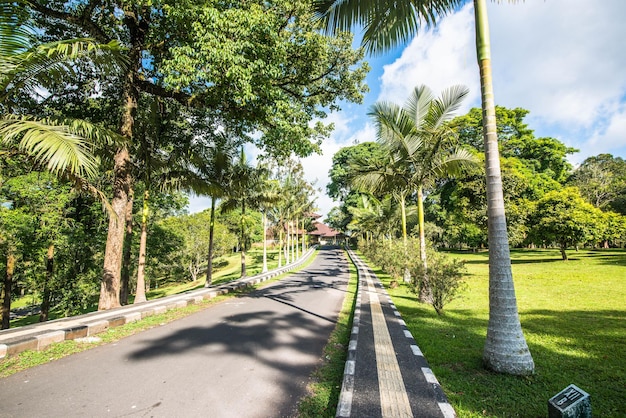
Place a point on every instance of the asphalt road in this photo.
(247, 357)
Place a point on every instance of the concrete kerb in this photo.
(37, 337)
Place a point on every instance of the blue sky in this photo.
(563, 60)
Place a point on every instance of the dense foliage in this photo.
(541, 211)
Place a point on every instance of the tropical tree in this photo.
(62, 146)
(387, 24)
(244, 192)
(214, 165)
(601, 180)
(237, 61)
(417, 137)
(564, 218)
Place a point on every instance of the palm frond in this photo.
(444, 108)
(386, 23)
(56, 146)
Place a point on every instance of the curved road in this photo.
(250, 356)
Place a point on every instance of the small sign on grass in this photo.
(571, 402)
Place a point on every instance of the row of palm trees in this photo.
(387, 24)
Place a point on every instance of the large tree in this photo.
(602, 182)
(387, 24)
(255, 65)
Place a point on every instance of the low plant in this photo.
(445, 278)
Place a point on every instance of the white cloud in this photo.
(438, 58)
(317, 166)
(562, 60)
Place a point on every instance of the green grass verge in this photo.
(327, 379)
(27, 359)
(573, 315)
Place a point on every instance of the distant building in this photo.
(324, 235)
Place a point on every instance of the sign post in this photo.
(571, 402)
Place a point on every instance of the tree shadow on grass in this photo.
(586, 348)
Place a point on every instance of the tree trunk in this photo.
(209, 268)
(280, 248)
(505, 349)
(563, 247)
(45, 299)
(303, 238)
(425, 292)
(287, 243)
(296, 252)
(407, 273)
(243, 241)
(110, 286)
(126, 258)
(6, 289)
(264, 243)
(140, 295)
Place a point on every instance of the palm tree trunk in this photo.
(288, 243)
(407, 273)
(243, 241)
(45, 302)
(505, 349)
(209, 269)
(140, 294)
(264, 270)
(280, 248)
(7, 287)
(126, 260)
(425, 292)
(296, 241)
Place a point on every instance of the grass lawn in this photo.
(573, 314)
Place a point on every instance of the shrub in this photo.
(445, 277)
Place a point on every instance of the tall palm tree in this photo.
(417, 139)
(215, 166)
(389, 23)
(244, 192)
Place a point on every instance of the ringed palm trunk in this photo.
(45, 303)
(140, 295)
(209, 269)
(243, 241)
(505, 349)
(126, 261)
(7, 287)
(425, 292)
(280, 248)
(264, 243)
(303, 238)
(407, 273)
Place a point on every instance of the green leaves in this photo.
(386, 23)
(266, 67)
(58, 147)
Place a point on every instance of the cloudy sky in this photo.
(563, 60)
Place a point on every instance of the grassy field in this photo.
(573, 314)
